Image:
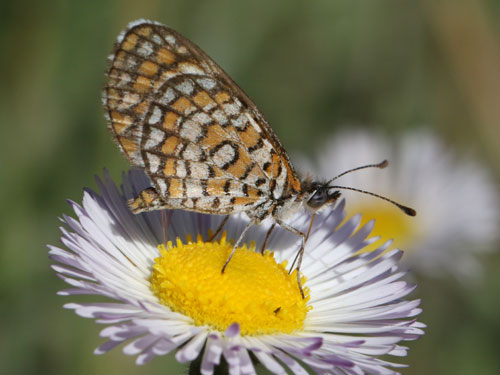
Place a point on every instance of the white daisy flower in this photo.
(174, 299)
(456, 201)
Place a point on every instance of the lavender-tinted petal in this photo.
(232, 330)
(270, 363)
(211, 355)
(139, 345)
(192, 349)
(106, 347)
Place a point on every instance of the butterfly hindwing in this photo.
(201, 140)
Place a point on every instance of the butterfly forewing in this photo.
(201, 140)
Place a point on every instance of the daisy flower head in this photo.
(456, 201)
(172, 298)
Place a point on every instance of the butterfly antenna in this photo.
(380, 165)
(407, 210)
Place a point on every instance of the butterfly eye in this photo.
(318, 199)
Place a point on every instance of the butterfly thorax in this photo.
(313, 196)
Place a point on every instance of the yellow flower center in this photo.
(254, 290)
(389, 223)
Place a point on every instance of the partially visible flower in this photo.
(456, 200)
(174, 299)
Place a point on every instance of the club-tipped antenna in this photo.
(407, 210)
(380, 165)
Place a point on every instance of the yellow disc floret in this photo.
(254, 291)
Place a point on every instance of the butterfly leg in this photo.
(147, 200)
(236, 245)
(264, 244)
(166, 215)
(299, 253)
(224, 221)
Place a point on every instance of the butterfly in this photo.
(200, 139)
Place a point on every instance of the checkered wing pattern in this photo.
(200, 139)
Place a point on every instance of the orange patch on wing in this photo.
(170, 169)
(295, 182)
(141, 108)
(170, 121)
(250, 136)
(121, 118)
(175, 188)
(165, 56)
(120, 60)
(219, 172)
(222, 97)
(128, 145)
(182, 105)
(238, 201)
(120, 56)
(112, 96)
(215, 135)
(215, 188)
(144, 31)
(240, 166)
(112, 103)
(276, 165)
(202, 99)
(237, 169)
(170, 145)
(253, 192)
(118, 127)
(120, 121)
(130, 42)
(148, 196)
(268, 168)
(136, 203)
(142, 84)
(148, 68)
(114, 77)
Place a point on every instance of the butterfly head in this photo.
(320, 194)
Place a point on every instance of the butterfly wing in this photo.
(201, 140)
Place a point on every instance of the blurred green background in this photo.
(311, 67)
